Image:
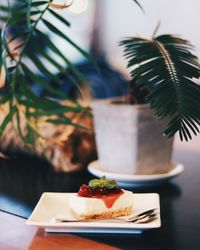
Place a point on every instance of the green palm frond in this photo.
(22, 41)
(167, 67)
(137, 2)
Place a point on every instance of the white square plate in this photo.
(53, 205)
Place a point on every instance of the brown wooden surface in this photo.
(15, 235)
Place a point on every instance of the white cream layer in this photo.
(84, 205)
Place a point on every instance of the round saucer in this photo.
(127, 180)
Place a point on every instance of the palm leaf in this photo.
(137, 2)
(20, 34)
(7, 119)
(167, 67)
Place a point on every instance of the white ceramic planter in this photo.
(130, 140)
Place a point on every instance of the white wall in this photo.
(122, 18)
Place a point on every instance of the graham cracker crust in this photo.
(109, 214)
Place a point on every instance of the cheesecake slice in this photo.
(102, 198)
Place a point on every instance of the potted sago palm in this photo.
(134, 135)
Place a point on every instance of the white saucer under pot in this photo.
(127, 180)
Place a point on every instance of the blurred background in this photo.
(98, 26)
(110, 21)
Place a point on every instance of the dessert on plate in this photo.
(101, 198)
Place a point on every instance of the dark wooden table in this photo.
(24, 178)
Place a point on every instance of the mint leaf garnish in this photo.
(102, 183)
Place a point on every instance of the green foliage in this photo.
(166, 67)
(137, 2)
(102, 183)
(22, 40)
